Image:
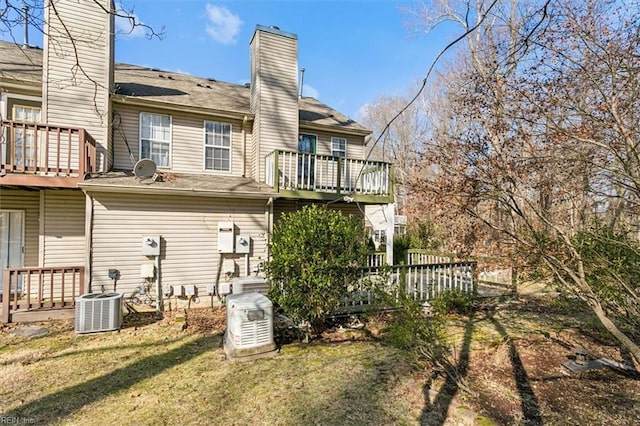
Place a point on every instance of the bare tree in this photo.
(14, 13)
(399, 143)
(536, 137)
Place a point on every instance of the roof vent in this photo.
(273, 27)
(25, 9)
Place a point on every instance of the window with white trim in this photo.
(155, 138)
(24, 140)
(217, 146)
(339, 147)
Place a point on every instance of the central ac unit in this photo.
(249, 326)
(98, 312)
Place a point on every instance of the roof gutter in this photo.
(199, 110)
(308, 125)
(196, 192)
(23, 86)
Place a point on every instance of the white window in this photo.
(339, 147)
(155, 138)
(24, 140)
(217, 146)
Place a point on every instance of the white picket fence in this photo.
(496, 275)
(420, 282)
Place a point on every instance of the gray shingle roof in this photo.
(25, 65)
(192, 184)
(20, 64)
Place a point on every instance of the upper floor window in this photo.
(217, 146)
(27, 114)
(155, 138)
(307, 143)
(339, 147)
(24, 140)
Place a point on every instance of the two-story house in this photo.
(221, 162)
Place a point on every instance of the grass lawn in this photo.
(153, 373)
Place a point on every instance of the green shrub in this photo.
(453, 301)
(316, 253)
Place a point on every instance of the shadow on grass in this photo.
(436, 413)
(62, 354)
(528, 401)
(359, 400)
(53, 408)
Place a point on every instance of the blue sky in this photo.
(352, 51)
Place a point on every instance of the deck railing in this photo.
(295, 171)
(29, 289)
(420, 282)
(424, 257)
(377, 259)
(498, 275)
(41, 149)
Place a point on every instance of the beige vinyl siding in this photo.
(355, 144)
(64, 239)
(187, 142)
(29, 202)
(188, 230)
(70, 98)
(254, 156)
(276, 100)
(126, 132)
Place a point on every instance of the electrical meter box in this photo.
(243, 244)
(151, 245)
(226, 237)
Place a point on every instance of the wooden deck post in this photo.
(6, 294)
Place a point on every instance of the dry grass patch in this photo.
(154, 373)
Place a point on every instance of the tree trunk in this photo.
(613, 329)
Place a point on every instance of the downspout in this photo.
(244, 146)
(159, 294)
(88, 234)
(268, 213)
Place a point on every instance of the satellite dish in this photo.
(144, 168)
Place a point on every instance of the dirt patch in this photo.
(519, 377)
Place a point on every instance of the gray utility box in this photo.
(249, 326)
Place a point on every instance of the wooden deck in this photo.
(31, 294)
(41, 155)
(324, 177)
